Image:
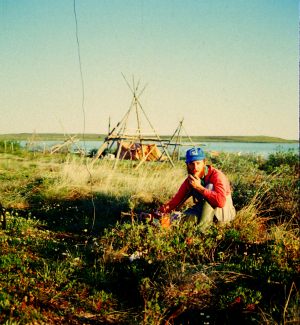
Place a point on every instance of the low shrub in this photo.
(280, 158)
(92, 261)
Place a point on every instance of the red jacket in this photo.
(216, 197)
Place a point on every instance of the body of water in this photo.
(263, 149)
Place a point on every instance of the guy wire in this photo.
(83, 111)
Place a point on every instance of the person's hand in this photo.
(163, 209)
(195, 182)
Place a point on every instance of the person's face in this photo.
(196, 168)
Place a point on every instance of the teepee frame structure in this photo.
(176, 140)
(120, 132)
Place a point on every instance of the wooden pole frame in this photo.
(118, 133)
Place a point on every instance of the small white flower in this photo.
(135, 256)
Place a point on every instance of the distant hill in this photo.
(100, 137)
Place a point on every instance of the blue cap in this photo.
(194, 154)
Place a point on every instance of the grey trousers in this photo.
(204, 214)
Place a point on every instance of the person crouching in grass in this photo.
(210, 190)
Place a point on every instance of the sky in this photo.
(225, 67)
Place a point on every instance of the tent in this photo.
(138, 151)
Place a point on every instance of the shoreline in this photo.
(100, 137)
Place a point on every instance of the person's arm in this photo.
(215, 197)
(178, 199)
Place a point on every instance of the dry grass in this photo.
(251, 225)
(144, 183)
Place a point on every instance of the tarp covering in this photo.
(137, 151)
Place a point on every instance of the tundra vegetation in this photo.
(74, 251)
